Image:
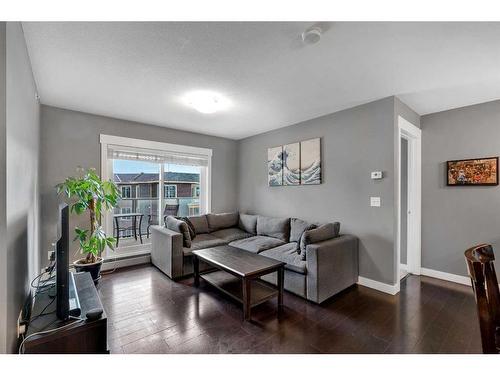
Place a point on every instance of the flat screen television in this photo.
(67, 303)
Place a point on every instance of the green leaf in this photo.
(81, 191)
(79, 207)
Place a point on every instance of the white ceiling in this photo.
(140, 71)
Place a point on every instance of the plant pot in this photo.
(93, 268)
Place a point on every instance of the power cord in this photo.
(39, 287)
(43, 311)
(77, 320)
(49, 270)
(109, 271)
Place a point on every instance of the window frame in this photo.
(109, 141)
(196, 191)
(165, 186)
(128, 209)
(138, 194)
(129, 189)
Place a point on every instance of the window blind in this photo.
(156, 156)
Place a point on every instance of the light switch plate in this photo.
(376, 175)
(375, 201)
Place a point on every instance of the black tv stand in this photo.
(82, 337)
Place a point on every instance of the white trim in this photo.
(464, 280)
(106, 167)
(206, 194)
(153, 145)
(403, 267)
(377, 285)
(161, 193)
(414, 251)
(120, 263)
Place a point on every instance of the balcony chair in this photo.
(170, 210)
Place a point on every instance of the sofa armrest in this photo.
(166, 251)
(332, 266)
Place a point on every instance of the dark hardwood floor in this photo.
(149, 313)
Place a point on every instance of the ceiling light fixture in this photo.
(206, 101)
(312, 35)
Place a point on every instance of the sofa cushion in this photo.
(322, 233)
(287, 253)
(222, 221)
(181, 227)
(192, 231)
(273, 227)
(256, 244)
(248, 223)
(203, 241)
(200, 223)
(231, 234)
(298, 227)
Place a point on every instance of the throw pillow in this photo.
(322, 233)
(309, 227)
(297, 227)
(180, 227)
(192, 231)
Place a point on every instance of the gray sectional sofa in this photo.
(320, 262)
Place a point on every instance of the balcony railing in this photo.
(148, 207)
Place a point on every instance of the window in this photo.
(126, 192)
(196, 191)
(144, 190)
(153, 178)
(170, 191)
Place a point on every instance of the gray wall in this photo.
(3, 180)
(401, 109)
(70, 139)
(354, 143)
(21, 152)
(455, 218)
(404, 199)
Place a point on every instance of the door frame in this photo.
(413, 135)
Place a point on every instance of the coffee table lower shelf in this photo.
(232, 286)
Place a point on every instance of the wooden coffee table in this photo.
(238, 275)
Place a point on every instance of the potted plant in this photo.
(88, 193)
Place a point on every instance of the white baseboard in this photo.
(127, 262)
(377, 285)
(403, 267)
(464, 280)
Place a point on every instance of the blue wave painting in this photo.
(311, 175)
(275, 166)
(310, 162)
(291, 164)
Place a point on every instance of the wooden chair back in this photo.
(485, 285)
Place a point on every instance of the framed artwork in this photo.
(291, 164)
(310, 162)
(275, 166)
(472, 172)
